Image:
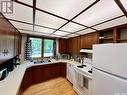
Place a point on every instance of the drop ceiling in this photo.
(66, 18)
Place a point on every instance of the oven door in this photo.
(82, 84)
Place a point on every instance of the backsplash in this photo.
(78, 58)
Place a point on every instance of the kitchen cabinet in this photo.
(70, 73)
(106, 36)
(28, 79)
(7, 40)
(122, 35)
(73, 45)
(89, 39)
(40, 73)
(62, 46)
(69, 46)
(116, 34)
(18, 37)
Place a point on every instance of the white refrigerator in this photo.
(109, 69)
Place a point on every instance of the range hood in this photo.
(86, 51)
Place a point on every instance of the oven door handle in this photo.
(87, 76)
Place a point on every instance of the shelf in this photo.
(122, 39)
(111, 38)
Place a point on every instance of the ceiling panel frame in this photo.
(53, 14)
(34, 14)
(36, 25)
(78, 15)
(117, 1)
(36, 31)
(98, 24)
(120, 5)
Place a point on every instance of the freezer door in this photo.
(106, 84)
(111, 58)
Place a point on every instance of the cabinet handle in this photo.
(4, 52)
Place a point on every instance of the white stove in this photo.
(85, 69)
(83, 79)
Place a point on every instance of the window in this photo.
(39, 46)
(48, 47)
(36, 44)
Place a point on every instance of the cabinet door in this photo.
(6, 40)
(62, 45)
(92, 38)
(3, 39)
(83, 41)
(70, 73)
(10, 41)
(69, 45)
(74, 45)
(28, 79)
(88, 40)
(17, 43)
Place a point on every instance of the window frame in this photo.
(53, 47)
(42, 52)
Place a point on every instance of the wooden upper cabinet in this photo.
(73, 45)
(62, 46)
(89, 39)
(17, 43)
(69, 45)
(7, 40)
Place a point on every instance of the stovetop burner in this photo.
(81, 66)
(90, 71)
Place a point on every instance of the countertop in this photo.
(11, 84)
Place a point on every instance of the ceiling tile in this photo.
(44, 30)
(102, 11)
(29, 2)
(22, 13)
(65, 37)
(124, 2)
(116, 22)
(22, 25)
(55, 36)
(33, 33)
(72, 27)
(72, 35)
(61, 33)
(48, 20)
(88, 30)
(64, 8)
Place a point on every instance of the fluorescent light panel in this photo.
(33, 33)
(44, 30)
(61, 33)
(72, 27)
(22, 13)
(116, 22)
(88, 30)
(102, 11)
(22, 25)
(48, 20)
(64, 8)
(124, 2)
(72, 35)
(29, 2)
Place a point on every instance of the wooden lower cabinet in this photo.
(41, 73)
